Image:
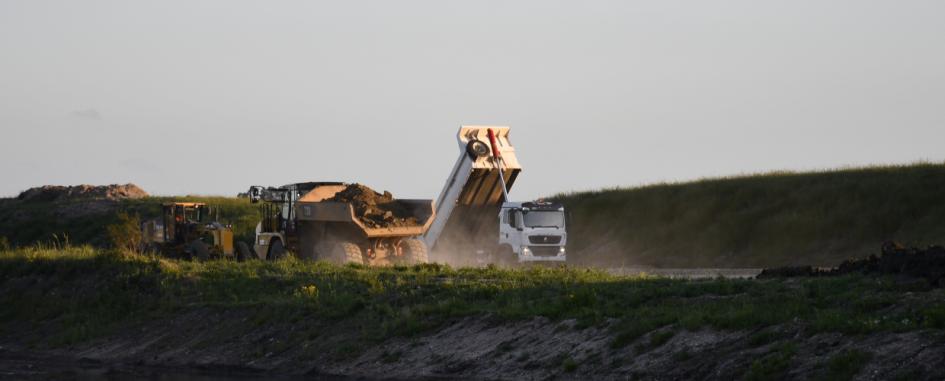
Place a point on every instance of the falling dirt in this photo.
(376, 210)
(928, 264)
(49, 193)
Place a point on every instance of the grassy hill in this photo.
(772, 219)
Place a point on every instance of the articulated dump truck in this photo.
(303, 218)
(476, 224)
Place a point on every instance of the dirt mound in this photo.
(48, 193)
(376, 210)
(894, 259)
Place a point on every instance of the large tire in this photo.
(276, 250)
(199, 250)
(415, 251)
(345, 252)
(243, 252)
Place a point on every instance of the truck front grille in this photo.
(544, 251)
(545, 239)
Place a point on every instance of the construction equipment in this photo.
(185, 229)
(301, 218)
(473, 208)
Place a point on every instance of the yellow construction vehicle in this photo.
(186, 230)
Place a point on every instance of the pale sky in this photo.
(210, 97)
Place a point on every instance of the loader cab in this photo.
(535, 231)
(181, 219)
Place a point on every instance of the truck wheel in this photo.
(477, 148)
(243, 252)
(346, 252)
(276, 250)
(199, 250)
(415, 251)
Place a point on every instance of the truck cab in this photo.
(535, 231)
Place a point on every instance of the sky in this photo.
(210, 97)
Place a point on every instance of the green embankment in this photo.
(775, 219)
(79, 293)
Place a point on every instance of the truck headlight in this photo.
(561, 251)
(526, 250)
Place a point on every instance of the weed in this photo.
(846, 365)
(391, 357)
(763, 337)
(569, 365)
(125, 234)
(682, 356)
(772, 366)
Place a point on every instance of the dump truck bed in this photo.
(468, 206)
(313, 207)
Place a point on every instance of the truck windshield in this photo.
(549, 219)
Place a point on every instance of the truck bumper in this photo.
(529, 254)
(530, 258)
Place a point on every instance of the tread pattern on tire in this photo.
(415, 251)
(243, 252)
(347, 252)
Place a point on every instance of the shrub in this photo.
(125, 234)
(4, 243)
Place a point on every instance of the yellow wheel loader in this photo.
(185, 230)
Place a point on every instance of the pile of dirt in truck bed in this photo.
(376, 210)
(894, 259)
(49, 193)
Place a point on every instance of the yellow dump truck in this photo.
(302, 218)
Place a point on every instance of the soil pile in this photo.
(376, 210)
(48, 193)
(894, 259)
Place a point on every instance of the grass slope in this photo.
(773, 219)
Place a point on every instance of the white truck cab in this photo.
(534, 231)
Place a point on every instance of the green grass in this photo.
(85, 291)
(774, 219)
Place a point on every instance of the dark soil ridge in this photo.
(376, 210)
(894, 259)
(480, 348)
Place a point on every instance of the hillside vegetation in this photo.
(772, 219)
